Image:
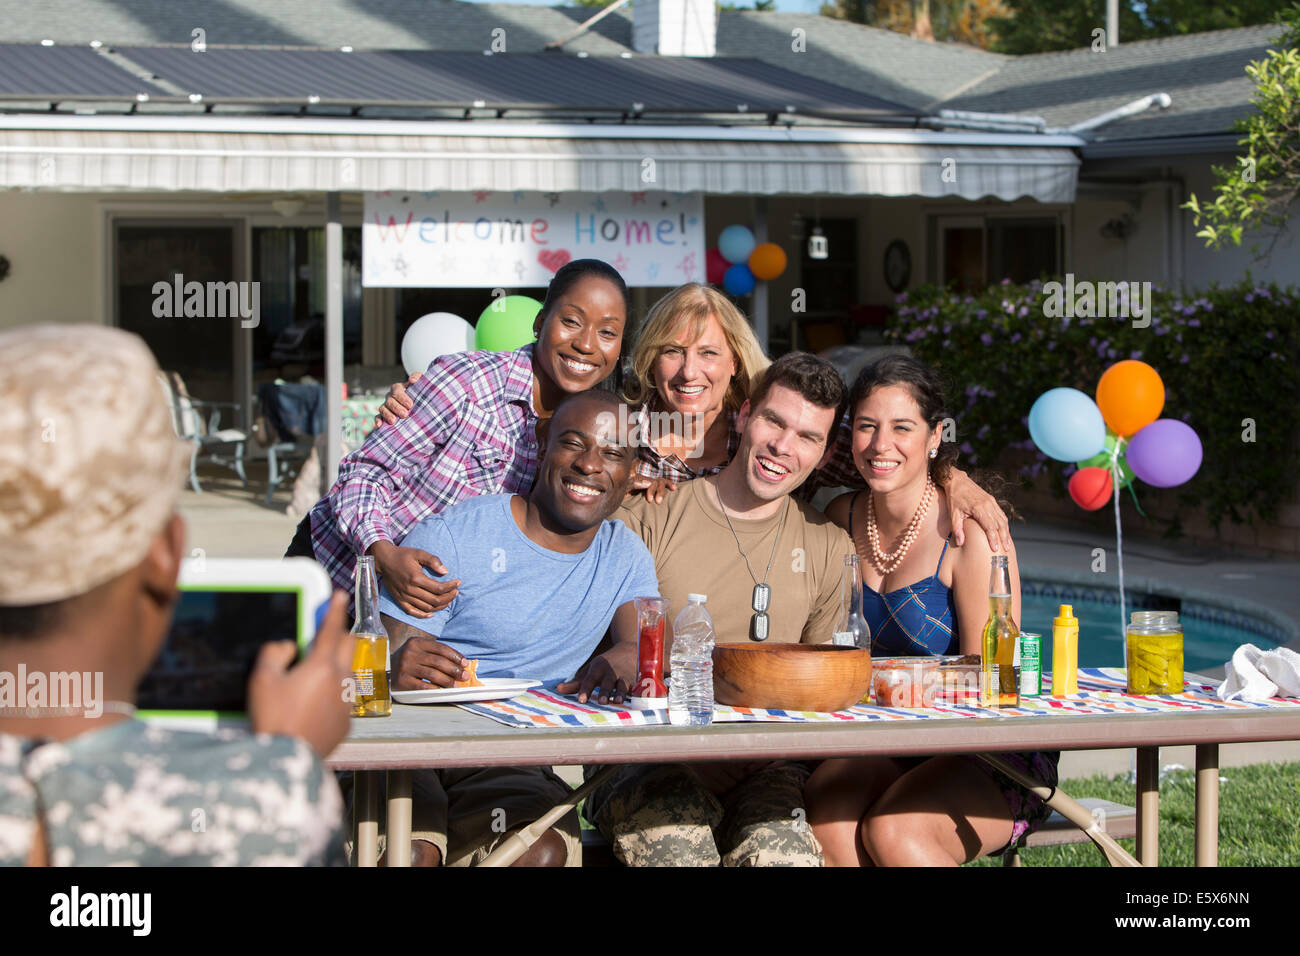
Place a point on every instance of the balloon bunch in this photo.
(1118, 437)
(740, 261)
(504, 325)
(1069, 426)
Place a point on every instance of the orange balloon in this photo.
(767, 261)
(1130, 395)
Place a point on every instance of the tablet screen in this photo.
(214, 641)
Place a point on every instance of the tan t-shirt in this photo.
(695, 553)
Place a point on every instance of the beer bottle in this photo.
(999, 683)
(370, 653)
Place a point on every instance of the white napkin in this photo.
(1253, 674)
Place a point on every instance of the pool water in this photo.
(1210, 634)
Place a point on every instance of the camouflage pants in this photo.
(672, 815)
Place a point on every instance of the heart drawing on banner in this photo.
(553, 259)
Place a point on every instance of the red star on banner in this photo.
(481, 195)
(638, 198)
(620, 262)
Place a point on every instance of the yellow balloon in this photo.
(1131, 396)
(767, 261)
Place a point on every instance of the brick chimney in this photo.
(675, 27)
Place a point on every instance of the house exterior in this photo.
(239, 142)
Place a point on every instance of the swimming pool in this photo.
(1210, 633)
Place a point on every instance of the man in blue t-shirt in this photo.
(543, 579)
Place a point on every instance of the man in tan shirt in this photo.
(724, 536)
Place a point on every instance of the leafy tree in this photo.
(961, 21)
(1176, 17)
(1036, 26)
(1259, 192)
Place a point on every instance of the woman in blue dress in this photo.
(923, 596)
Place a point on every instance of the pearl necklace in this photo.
(888, 562)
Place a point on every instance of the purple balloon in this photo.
(1165, 453)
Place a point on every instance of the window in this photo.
(976, 251)
(290, 265)
(200, 349)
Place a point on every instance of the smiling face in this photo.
(585, 470)
(891, 442)
(783, 439)
(578, 343)
(692, 377)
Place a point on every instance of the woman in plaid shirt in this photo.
(471, 429)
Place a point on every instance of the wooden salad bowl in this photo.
(818, 677)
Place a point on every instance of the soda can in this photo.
(1030, 647)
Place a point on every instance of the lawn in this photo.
(1259, 818)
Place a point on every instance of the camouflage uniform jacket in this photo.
(137, 794)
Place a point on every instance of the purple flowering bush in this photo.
(1226, 354)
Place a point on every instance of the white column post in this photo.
(333, 338)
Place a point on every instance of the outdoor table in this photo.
(444, 736)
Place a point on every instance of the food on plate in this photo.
(471, 676)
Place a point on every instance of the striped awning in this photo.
(264, 154)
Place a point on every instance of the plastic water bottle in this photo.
(690, 691)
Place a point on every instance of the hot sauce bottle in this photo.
(651, 615)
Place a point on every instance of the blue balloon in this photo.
(739, 280)
(1067, 425)
(736, 243)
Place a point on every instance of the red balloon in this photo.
(1090, 488)
(715, 267)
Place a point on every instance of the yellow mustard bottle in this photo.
(1065, 652)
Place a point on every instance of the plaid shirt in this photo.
(651, 464)
(471, 431)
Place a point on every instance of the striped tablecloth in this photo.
(1101, 692)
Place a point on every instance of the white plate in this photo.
(494, 688)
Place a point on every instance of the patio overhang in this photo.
(218, 154)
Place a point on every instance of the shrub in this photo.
(1227, 357)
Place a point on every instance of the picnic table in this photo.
(541, 728)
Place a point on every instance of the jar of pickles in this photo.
(1155, 653)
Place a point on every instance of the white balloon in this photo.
(438, 333)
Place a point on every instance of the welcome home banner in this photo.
(516, 239)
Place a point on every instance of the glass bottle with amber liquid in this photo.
(370, 652)
(999, 686)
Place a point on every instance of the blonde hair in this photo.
(691, 305)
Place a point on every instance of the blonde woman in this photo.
(693, 362)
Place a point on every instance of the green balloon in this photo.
(507, 324)
(1102, 460)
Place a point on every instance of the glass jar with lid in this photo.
(1155, 653)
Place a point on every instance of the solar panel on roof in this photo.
(65, 72)
(510, 80)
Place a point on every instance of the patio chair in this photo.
(199, 422)
(287, 448)
(1079, 815)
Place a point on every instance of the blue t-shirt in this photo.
(523, 610)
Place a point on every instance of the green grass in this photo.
(1259, 818)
